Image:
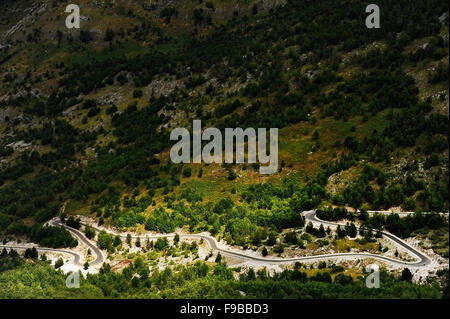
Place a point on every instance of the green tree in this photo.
(135, 282)
(264, 251)
(109, 35)
(161, 243)
(128, 240)
(117, 241)
(321, 233)
(187, 172)
(89, 231)
(59, 263)
(31, 253)
(104, 240)
(406, 275)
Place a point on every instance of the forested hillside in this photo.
(85, 118)
(198, 281)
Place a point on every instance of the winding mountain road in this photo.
(99, 258)
(422, 259)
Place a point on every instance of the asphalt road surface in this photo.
(82, 237)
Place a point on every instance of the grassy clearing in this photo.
(345, 245)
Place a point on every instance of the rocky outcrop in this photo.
(20, 14)
(163, 87)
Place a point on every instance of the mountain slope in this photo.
(86, 114)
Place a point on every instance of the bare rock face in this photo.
(443, 19)
(7, 98)
(162, 87)
(123, 74)
(8, 114)
(19, 145)
(4, 47)
(111, 98)
(18, 14)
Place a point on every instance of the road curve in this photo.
(99, 258)
(423, 259)
(76, 257)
